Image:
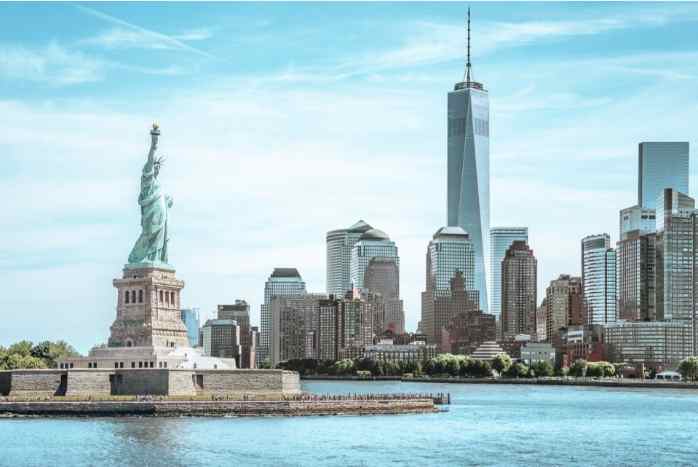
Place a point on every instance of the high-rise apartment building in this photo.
(339, 245)
(675, 256)
(636, 266)
(599, 279)
(661, 165)
(468, 134)
(191, 319)
(294, 329)
(519, 291)
(240, 312)
(450, 252)
(501, 239)
(283, 282)
(563, 305)
(221, 338)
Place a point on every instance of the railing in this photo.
(438, 398)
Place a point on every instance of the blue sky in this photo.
(283, 121)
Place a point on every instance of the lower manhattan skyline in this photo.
(270, 151)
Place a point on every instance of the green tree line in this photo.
(27, 355)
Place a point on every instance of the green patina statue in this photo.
(151, 247)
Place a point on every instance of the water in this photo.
(486, 425)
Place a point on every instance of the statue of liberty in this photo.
(151, 247)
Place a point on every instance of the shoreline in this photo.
(607, 383)
(215, 408)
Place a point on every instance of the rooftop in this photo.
(454, 231)
(285, 272)
(374, 234)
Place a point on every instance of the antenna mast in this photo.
(467, 65)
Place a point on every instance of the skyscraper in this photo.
(501, 239)
(636, 264)
(371, 244)
(240, 312)
(661, 165)
(190, 316)
(283, 282)
(339, 245)
(469, 168)
(451, 316)
(519, 290)
(599, 279)
(382, 277)
(676, 256)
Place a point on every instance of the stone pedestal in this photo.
(148, 309)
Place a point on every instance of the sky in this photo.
(281, 122)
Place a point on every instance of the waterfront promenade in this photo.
(549, 381)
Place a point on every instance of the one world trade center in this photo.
(469, 168)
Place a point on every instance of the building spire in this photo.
(468, 65)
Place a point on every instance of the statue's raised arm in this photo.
(151, 247)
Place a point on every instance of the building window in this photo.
(172, 298)
(133, 296)
(152, 364)
(161, 297)
(140, 364)
(127, 296)
(140, 296)
(121, 364)
(164, 364)
(71, 365)
(133, 364)
(116, 364)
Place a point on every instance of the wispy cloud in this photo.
(52, 64)
(126, 34)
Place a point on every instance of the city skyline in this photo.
(75, 133)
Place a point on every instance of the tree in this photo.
(517, 370)
(501, 363)
(22, 348)
(689, 368)
(543, 368)
(578, 368)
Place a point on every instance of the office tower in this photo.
(637, 218)
(501, 239)
(240, 312)
(190, 316)
(449, 252)
(294, 327)
(519, 290)
(339, 245)
(599, 279)
(356, 326)
(283, 282)
(675, 253)
(564, 306)
(469, 168)
(221, 338)
(382, 277)
(636, 264)
(372, 244)
(660, 166)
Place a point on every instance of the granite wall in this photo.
(89, 382)
(259, 384)
(37, 382)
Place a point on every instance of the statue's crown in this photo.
(156, 129)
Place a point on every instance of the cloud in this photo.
(52, 64)
(126, 35)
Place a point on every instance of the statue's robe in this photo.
(151, 246)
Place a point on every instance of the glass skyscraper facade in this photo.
(283, 282)
(661, 165)
(501, 239)
(373, 243)
(599, 279)
(449, 251)
(191, 319)
(469, 171)
(339, 245)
